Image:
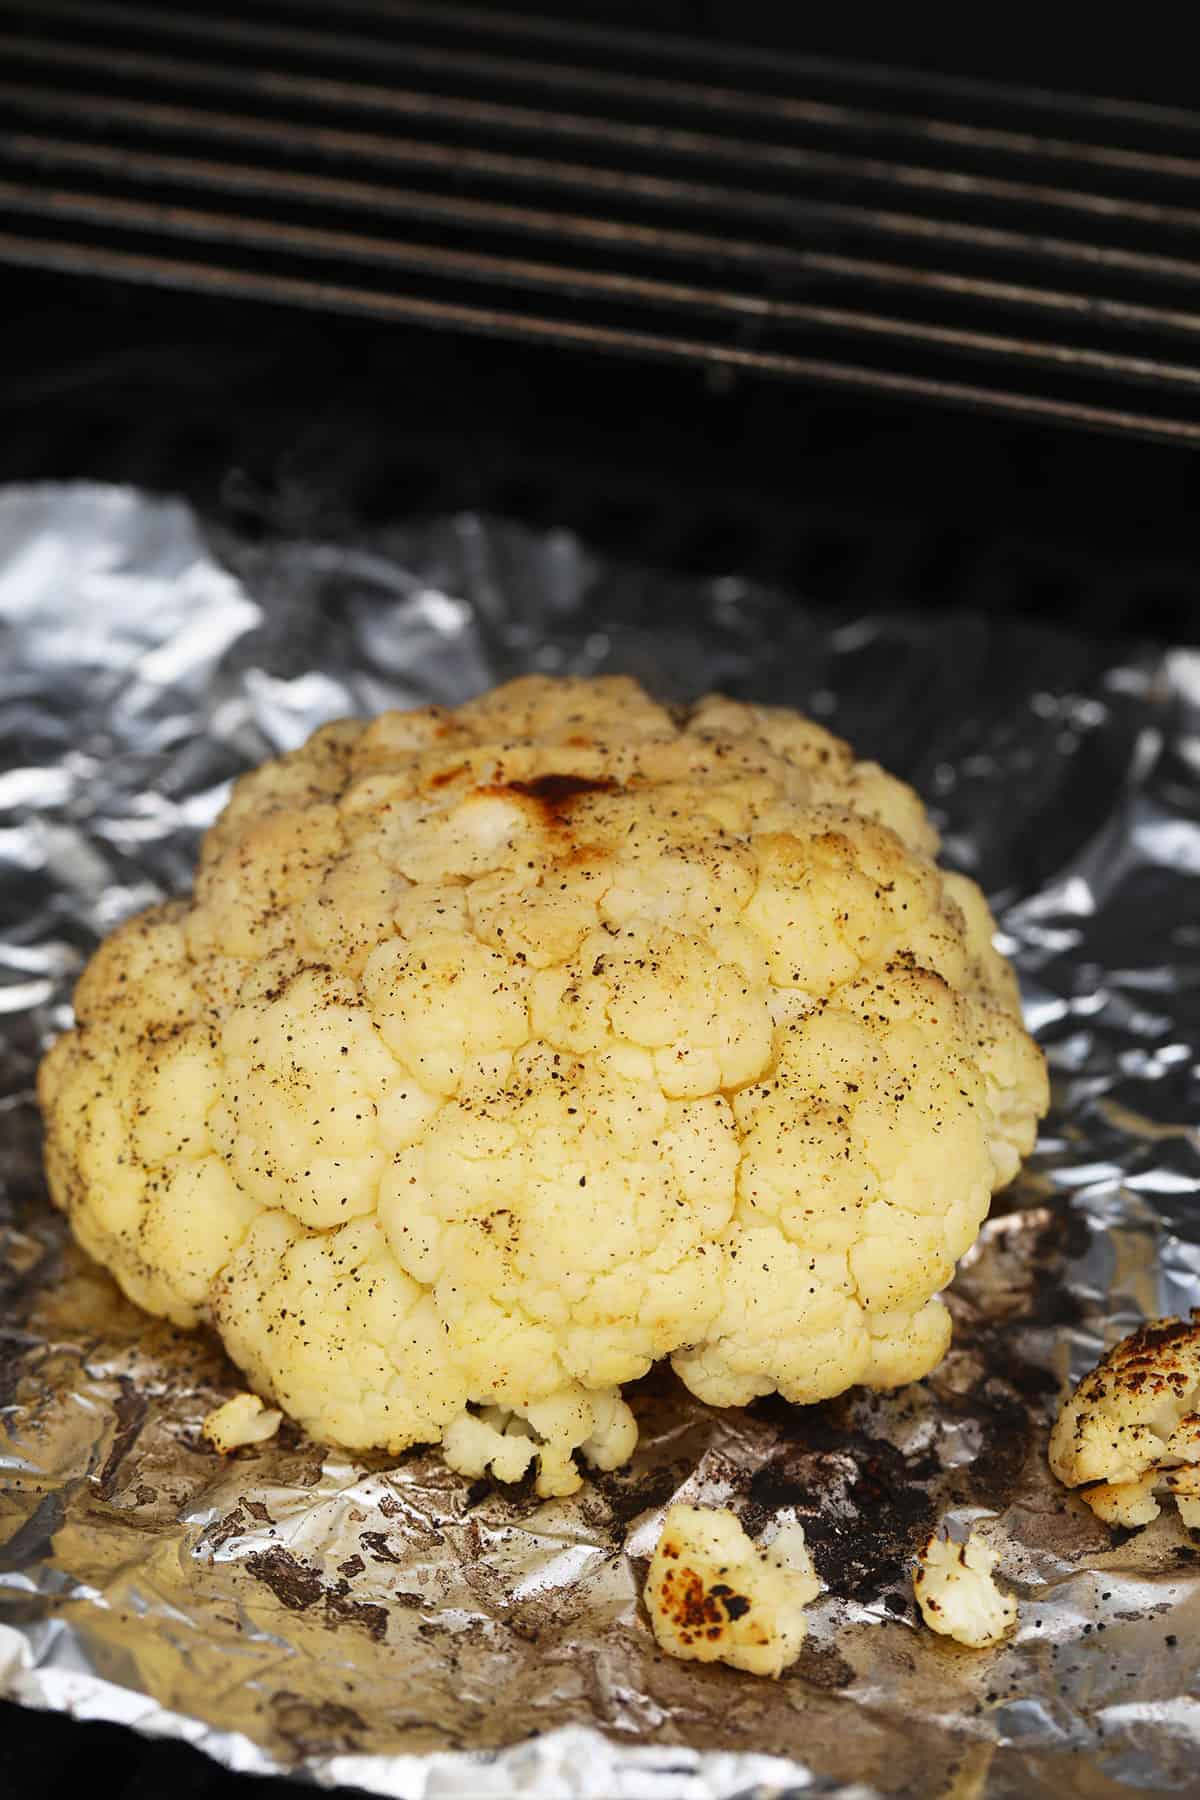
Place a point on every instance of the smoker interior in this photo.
(283, 421)
(275, 422)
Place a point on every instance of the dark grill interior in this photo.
(229, 233)
(279, 423)
(802, 217)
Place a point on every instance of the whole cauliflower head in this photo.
(502, 1051)
(1131, 1429)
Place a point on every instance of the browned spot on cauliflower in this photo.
(556, 794)
(1131, 1429)
(502, 1051)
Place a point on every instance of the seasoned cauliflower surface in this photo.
(1131, 1429)
(242, 1420)
(958, 1596)
(502, 1051)
(713, 1596)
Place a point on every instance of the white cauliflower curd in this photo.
(502, 1051)
(714, 1596)
(1131, 1428)
(242, 1420)
(957, 1592)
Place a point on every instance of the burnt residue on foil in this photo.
(394, 1626)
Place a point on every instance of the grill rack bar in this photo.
(244, 180)
(231, 233)
(46, 253)
(602, 184)
(580, 128)
(581, 37)
(626, 246)
(453, 64)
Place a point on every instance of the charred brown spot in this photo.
(445, 776)
(557, 794)
(736, 1605)
(693, 1606)
(1160, 1334)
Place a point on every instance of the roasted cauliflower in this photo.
(957, 1593)
(240, 1421)
(1131, 1429)
(502, 1051)
(714, 1596)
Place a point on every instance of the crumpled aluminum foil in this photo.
(418, 1635)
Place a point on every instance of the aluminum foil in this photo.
(415, 1634)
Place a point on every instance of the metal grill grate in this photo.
(1014, 251)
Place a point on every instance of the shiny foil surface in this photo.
(416, 1634)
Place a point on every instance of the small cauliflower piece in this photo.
(599, 1425)
(714, 1596)
(957, 1594)
(242, 1420)
(1184, 1486)
(1127, 1504)
(502, 1052)
(1131, 1429)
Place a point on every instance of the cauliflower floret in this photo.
(713, 1596)
(1132, 1426)
(598, 1424)
(957, 1594)
(242, 1420)
(500, 1053)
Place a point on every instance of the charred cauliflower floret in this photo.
(1131, 1429)
(500, 1052)
(957, 1592)
(714, 1596)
